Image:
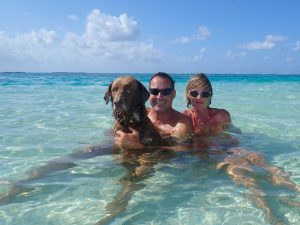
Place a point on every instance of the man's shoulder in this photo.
(187, 112)
(182, 124)
(179, 115)
(183, 118)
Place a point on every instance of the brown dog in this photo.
(128, 97)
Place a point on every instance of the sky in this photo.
(139, 36)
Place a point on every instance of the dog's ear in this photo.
(144, 92)
(107, 96)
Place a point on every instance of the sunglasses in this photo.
(156, 91)
(204, 94)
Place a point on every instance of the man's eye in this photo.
(115, 90)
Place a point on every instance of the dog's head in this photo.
(128, 97)
(126, 94)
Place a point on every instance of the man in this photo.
(170, 123)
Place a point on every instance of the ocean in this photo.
(48, 116)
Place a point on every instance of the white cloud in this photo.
(104, 27)
(43, 36)
(274, 38)
(233, 55)
(288, 59)
(199, 56)
(297, 48)
(269, 43)
(182, 40)
(35, 45)
(72, 17)
(259, 45)
(110, 37)
(202, 34)
(182, 59)
(107, 40)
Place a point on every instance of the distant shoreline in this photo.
(147, 74)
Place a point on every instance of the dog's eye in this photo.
(129, 91)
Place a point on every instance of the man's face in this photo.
(160, 102)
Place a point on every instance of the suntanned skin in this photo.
(206, 120)
(209, 121)
(212, 121)
(169, 122)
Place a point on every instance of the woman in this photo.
(206, 120)
(239, 163)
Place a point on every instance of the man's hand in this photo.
(128, 140)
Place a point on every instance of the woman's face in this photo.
(200, 96)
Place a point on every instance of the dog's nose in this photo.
(121, 105)
(117, 104)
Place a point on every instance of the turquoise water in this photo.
(46, 116)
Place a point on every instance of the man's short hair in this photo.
(165, 76)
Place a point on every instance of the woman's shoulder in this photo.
(221, 114)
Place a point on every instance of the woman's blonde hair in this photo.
(195, 81)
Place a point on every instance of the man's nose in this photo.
(160, 95)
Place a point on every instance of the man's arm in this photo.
(128, 140)
(184, 128)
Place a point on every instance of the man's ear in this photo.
(174, 93)
(107, 96)
(143, 92)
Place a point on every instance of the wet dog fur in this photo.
(128, 97)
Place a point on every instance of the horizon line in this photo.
(128, 73)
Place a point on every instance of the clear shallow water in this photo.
(47, 116)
